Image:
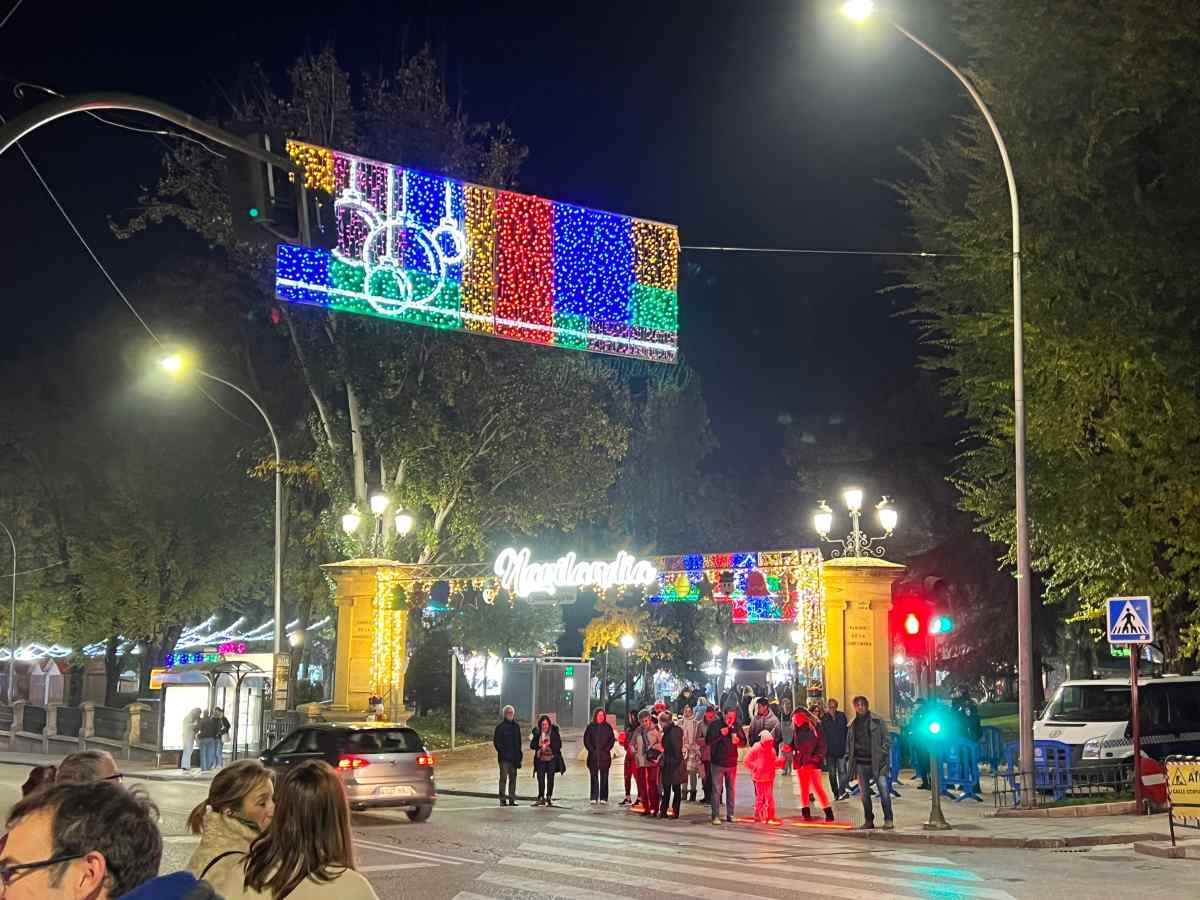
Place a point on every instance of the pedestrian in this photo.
(684, 700)
(834, 725)
(509, 753)
(870, 753)
(102, 842)
(710, 716)
(744, 711)
(187, 734)
(625, 739)
(647, 749)
(206, 731)
(787, 729)
(86, 766)
(763, 763)
(598, 740)
(673, 767)
(238, 808)
(222, 730)
(692, 739)
(764, 720)
(546, 744)
(723, 738)
(306, 854)
(808, 749)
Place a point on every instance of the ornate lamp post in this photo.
(856, 544)
(380, 502)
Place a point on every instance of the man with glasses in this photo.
(94, 841)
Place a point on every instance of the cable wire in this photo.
(15, 7)
(61, 562)
(922, 253)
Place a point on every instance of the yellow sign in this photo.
(1183, 782)
(156, 679)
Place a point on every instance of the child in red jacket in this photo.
(763, 763)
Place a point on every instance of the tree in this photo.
(1106, 155)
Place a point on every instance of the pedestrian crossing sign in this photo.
(1129, 620)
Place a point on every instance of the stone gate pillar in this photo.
(858, 599)
(372, 638)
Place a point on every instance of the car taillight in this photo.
(424, 760)
(352, 762)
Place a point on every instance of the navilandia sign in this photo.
(521, 577)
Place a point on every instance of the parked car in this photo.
(380, 764)
(1094, 715)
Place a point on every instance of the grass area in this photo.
(1004, 716)
(435, 730)
(997, 710)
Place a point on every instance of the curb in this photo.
(964, 840)
(1164, 850)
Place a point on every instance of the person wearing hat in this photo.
(764, 720)
(763, 763)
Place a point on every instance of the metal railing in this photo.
(1048, 786)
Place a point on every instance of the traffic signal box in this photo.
(918, 615)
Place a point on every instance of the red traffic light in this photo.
(912, 625)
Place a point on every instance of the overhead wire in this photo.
(830, 252)
(15, 7)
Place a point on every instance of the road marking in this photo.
(394, 867)
(544, 888)
(643, 882)
(420, 854)
(795, 863)
(781, 837)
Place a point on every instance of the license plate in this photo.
(396, 790)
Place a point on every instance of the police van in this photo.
(1093, 717)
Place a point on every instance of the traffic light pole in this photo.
(937, 821)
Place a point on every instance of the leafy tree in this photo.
(1106, 159)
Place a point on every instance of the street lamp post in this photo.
(856, 544)
(797, 639)
(177, 364)
(380, 502)
(12, 621)
(627, 642)
(860, 10)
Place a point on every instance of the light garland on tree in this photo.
(438, 252)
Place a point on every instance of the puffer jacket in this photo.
(762, 761)
(759, 724)
(220, 834)
(808, 744)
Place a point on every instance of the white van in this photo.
(1093, 717)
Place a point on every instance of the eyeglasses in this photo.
(8, 874)
(119, 776)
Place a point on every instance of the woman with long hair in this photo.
(598, 740)
(306, 854)
(238, 808)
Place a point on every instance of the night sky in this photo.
(765, 124)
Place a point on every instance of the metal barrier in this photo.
(1183, 793)
(1051, 783)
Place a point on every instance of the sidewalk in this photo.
(473, 772)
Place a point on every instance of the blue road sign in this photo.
(1129, 620)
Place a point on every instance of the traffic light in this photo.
(934, 723)
(259, 194)
(917, 614)
(940, 623)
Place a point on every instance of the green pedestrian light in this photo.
(941, 624)
(935, 727)
(253, 212)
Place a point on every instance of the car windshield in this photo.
(1089, 703)
(383, 740)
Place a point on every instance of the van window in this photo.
(1152, 707)
(1089, 703)
(1184, 701)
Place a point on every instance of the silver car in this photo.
(380, 764)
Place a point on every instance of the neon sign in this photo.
(228, 648)
(521, 577)
(434, 251)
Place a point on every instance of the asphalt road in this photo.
(472, 849)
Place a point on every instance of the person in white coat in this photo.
(693, 738)
(187, 733)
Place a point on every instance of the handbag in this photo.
(652, 755)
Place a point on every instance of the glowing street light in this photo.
(379, 503)
(177, 364)
(627, 642)
(351, 520)
(856, 545)
(404, 523)
(860, 11)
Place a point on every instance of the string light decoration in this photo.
(434, 251)
(389, 646)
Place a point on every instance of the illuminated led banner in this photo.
(429, 250)
(521, 577)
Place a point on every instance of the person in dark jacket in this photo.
(710, 716)
(507, 741)
(630, 767)
(598, 740)
(808, 758)
(870, 753)
(546, 744)
(723, 738)
(834, 724)
(673, 771)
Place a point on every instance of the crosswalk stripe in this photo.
(795, 863)
(643, 882)
(782, 837)
(633, 841)
(544, 888)
(757, 877)
(394, 867)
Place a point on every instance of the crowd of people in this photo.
(79, 833)
(668, 755)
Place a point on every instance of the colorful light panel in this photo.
(434, 251)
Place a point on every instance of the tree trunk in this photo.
(357, 449)
(112, 671)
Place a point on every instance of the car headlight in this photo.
(1091, 749)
